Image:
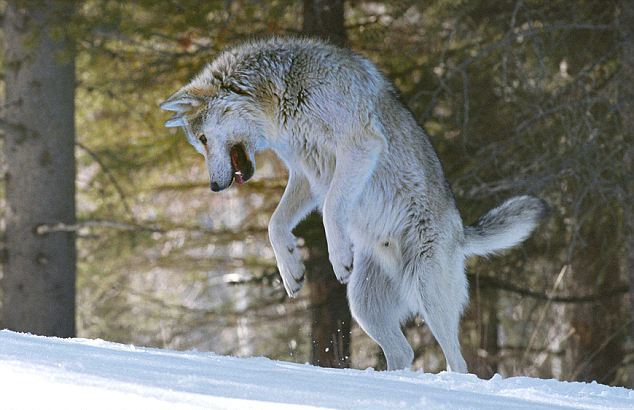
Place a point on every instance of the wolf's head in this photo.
(221, 121)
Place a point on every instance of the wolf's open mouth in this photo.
(241, 166)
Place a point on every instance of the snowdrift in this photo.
(50, 373)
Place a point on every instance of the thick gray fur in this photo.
(357, 154)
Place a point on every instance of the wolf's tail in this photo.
(504, 226)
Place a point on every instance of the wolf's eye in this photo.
(202, 139)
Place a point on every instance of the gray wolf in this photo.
(354, 152)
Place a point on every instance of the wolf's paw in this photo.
(289, 260)
(340, 255)
(291, 267)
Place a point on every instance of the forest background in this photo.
(109, 229)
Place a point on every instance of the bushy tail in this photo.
(504, 226)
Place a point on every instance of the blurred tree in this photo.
(39, 264)
(626, 109)
(325, 19)
(330, 314)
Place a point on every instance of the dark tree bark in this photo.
(626, 108)
(39, 269)
(324, 19)
(486, 367)
(331, 319)
(330, 315)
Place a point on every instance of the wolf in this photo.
(356, 153)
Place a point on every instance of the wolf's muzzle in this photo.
(241, 167)
(215, 187)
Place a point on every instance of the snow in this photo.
(51, 373)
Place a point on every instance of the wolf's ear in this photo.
(176, 120)
(182, 102)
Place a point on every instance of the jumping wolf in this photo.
(354, 152)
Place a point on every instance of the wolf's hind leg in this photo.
(442, 307)
(377, 307)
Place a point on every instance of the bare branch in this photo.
(44, 229)
(491, 282)
(110, 177)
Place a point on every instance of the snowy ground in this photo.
(49, 373)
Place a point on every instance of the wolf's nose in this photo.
(215, 187)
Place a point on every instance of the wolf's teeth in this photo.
(238, 173)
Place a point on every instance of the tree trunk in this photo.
(39, 270)
(331, 319)
(324, 19)
(330, 315)
(626, 108)
(487, 366)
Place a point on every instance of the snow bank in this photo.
(50, 373)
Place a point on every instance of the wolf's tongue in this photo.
(237, 172)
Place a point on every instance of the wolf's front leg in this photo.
(356, 161)
(295, 204)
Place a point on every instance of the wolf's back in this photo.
(504, 226)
